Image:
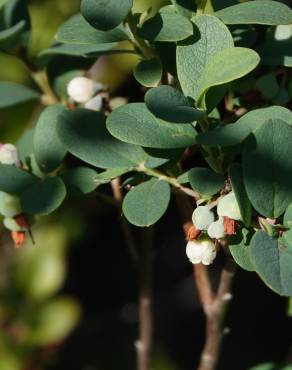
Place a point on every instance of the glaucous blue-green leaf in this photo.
(44, 196)
(148, 72)
(236, 133)
(134, 123)
(228, 207)
(80, 180)
(241, 61)
(239, 246)
(146, 203)
(81, 50)
(160, 157)
(14, 180)
(84, 134)
(205, 181)
(10, 37)
(77, 31)
(167, 26)
(183, 178)
(256, 12)
(12, 93)
(105, 14)
(267, 168)
(210, 36)
(272, 260)
(48, 149)
(237, 182)
(185, 7)
(108, 175)
(288, 216)
(171, 105)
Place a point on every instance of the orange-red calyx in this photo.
(229, 226)
(18, 238)
(193, 233)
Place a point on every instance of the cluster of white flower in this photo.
(203, 249)
(85, 91)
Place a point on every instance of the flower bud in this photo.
(95, 103)
(9, 205)
(228, 207)
(202, 217)
(216, 230)
(8, 154)
(82, 89)
(201, 251)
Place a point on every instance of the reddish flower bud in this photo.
(18, 238)
(193, 233)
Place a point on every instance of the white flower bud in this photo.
(201, 251)
(229, 207)
(9, 205)
(202, 217)
(82, 89)
(216, 229)
(95, 103)
(8, 154)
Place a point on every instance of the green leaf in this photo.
(84, 134)
(167, 26)
(256, 12)
(10, 37)
(236, 178)
(185, 7)
(267, 168)
(236, 133)
(288, 216)
(105, 14)
(205, 181)
(48, 149)
(171, 105)
(239, 248)
(268, 85)
(77, 31)
(43, 197)
(146, 203)
(14, 180)
(241, 61)
(12, 94)
(272, 260)
(134, 123)
(193, 55)
(108, 175)
(80, 180)
(148, 72)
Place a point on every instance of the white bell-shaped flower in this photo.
(8, 154)
(201, 251)
(82, 89)
(216, 229)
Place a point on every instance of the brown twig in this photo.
(214, 304)
(142, 259)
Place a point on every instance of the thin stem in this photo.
(171, 180)
(144, 343)
(136, 40)
(214, 304)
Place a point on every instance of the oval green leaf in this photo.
(167, 26)
(218, 71)
(77, 31)
(267, 12)
(105, 14)
(148, 72)
(272, 260)
(84, 134)
(80, 180)
(48, 149)
(210, 36)
(134, 123)
(240, 249)
(169, 104)
(205, 181)
(267, 169)
(12, 94)
(43, 197)
(146, 203)
(14, 180)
